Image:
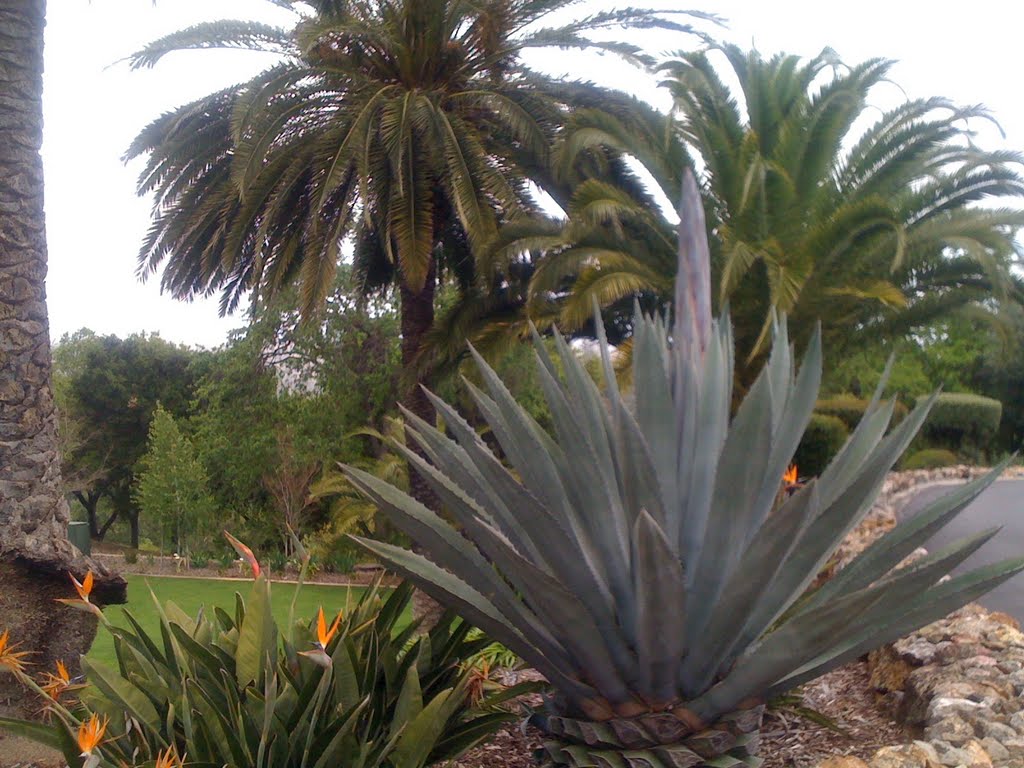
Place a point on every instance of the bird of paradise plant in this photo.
(11, 659)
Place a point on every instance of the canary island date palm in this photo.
(410, 127)
(640, 555)
(879, 236)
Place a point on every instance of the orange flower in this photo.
(323, 634)
(90, 734)
(54, 685)
(244, 552)
(84, 590)
(10, 658)
(790, 477)
(169, 759)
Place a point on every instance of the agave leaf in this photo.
(533, 582)
(762, 560)
(410, 700)
(825, 533)
(660, 588)
(740, 474)
(699, 464)
(906, 537)
(443, 586)
(931, 605)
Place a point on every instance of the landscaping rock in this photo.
(843, 762)
(919, 754)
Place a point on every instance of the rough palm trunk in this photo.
(417, 311)
(35, 554)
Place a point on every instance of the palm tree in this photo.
(410, 127)
(877, 238)
(35, 554)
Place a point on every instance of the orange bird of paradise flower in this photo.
(790, 477)
(169, 759)
(323, 637)
(90, 734)
(245, 553)
(55, 685)
(84, 590)
(9, 657)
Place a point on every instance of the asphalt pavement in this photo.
(1002, 504)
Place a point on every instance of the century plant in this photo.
(640, 555)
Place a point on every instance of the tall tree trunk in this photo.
(35, 554)
(417, 319)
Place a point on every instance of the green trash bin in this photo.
(78, 534)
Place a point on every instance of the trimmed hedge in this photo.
(824, 436)
(850, 409)
(962, 423)
(930, 458)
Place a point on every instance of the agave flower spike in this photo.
(84, 590)
(245, 553)
(10, 658)
(90, 735)
(323, 637)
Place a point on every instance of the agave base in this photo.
(651, 741)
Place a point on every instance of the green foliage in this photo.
(230, 687)
(849, 409)
(822, 440)
(818, 206)
(930, 458)
(965, 424)
(282, 397)
(107, 390)
(131, 556)
(172, 487)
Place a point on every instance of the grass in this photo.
(191, 594)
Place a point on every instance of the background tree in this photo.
(412, 127)
(35, 554)
(878, 238)
(172, 488)
(108, 389)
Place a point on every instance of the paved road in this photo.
(1001, 505)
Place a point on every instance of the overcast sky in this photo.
(94, 106)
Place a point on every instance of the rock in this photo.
(1005, 618)
(970, 755)
(919, 754)
(995, 749)
(1017, 721)
(889, 672)
(842, 762)
(952, 729)
(1015, 747)
(997, 731)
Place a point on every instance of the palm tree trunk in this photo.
(417, 319)
(35, 554)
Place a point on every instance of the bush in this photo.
(228, 687)
(278, 561)
(962, 423)
(822, 439)
(225, 560)
(199, 560)
(131, 556)
(850, 409)
(930, 458)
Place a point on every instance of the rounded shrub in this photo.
(931, 458)
(850, 409)
(963, 423)
(847, 408)
(824, 436)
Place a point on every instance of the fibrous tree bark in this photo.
(35, 554)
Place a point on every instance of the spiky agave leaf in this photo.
(638, 555)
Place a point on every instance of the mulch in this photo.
(788, 740)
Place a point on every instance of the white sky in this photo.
(94, 106)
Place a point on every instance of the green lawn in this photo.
(191, 594)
